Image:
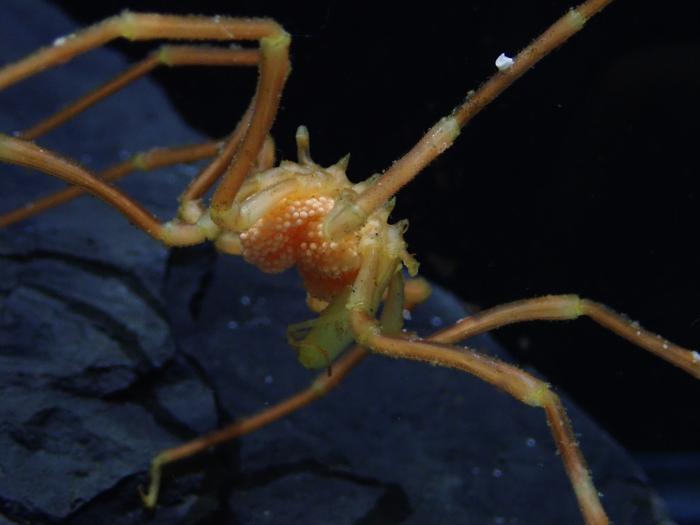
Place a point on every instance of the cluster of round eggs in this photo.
(291, 234)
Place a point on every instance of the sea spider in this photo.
(364, 264)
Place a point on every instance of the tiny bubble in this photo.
(245, 300)
(696, 357)
(269, 379)
(497, 473)
(232, 325)
(531, 442)
(435, 321)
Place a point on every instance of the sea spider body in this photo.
(298, 214)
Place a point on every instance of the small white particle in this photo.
(504, 62)
(497, 473)
(696, 356)
(59, 41)
(269, 379)
(530, 442)
(245, 300)
(406, 315)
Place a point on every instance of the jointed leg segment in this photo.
(401, 296)
(243, 146)
(353, 215)
(568, 307)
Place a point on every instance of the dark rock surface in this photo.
(112, 348)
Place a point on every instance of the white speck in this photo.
(696, 356)
(531, 442)
(245, 300)
(497, 473)
(665, 346)
(217, 19)
(504, 62)
(232, 325)
(59, 41)
(269, 379)
(406, 315)
(435, 321)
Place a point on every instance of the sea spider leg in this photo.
(351, 215)
(400, 295)
(521, 385)
(167, 55)
(378, 257)
(566, 307)
(273, 67)
(144, 161)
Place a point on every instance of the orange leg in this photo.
(247, 142)
(348, 218)
(521, 385)
(410, 294)
(150, 160)
(167, 55)
(318, 388)
(566, 307)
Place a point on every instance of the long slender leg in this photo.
(274, 68)
(29, 155)
(400, 296)
(149, 160)
(318, 388)
(351, 215)
(566, 307)
(171, 56)
(521, 385)
(167, 55)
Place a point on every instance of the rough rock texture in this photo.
(112, 348)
